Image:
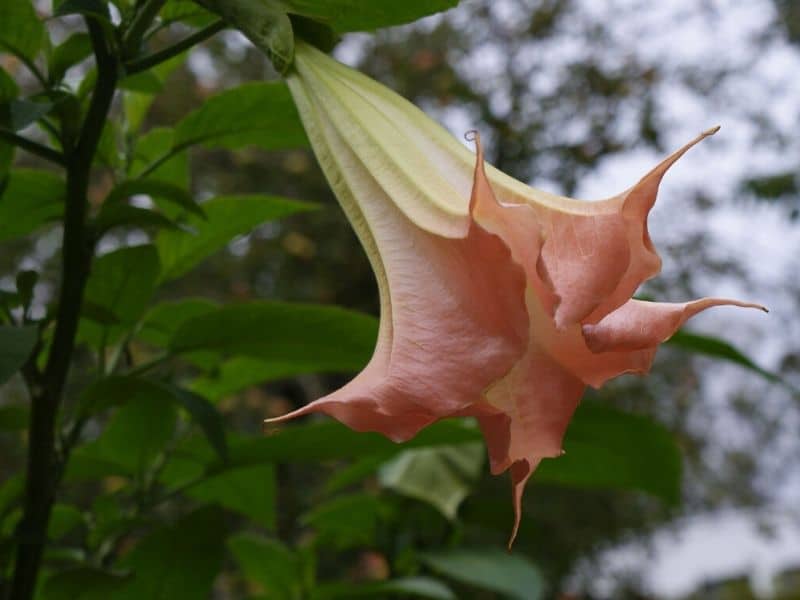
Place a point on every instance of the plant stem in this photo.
(33, 147)
(144, 63)
(138, 27)
(43, 470)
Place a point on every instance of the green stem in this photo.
(33, 147)
(43, 470)
(147, 62)
(141, 21)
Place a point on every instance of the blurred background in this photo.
(577, 97)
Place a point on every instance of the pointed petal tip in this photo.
(711, 131)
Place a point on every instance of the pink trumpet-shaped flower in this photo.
(498, 301)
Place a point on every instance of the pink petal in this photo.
(639, 325)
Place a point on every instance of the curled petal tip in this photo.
(473, 135)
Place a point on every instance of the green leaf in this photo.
(21, 31)
(204, 414)
(73, 50)
(14, 418)
(717, 348)
(250, 491)
(10, 492)
(268, 564)
(226, 217)
(608, 448)
(162, 190)
(17, 114)
(365, 15)
(16, 345)
(122, 282)
(442, 477)
(265, 24)
(128, 390)
(82, 583)
(63, 519)
(319, 338)
(260, 114)
(9, 90)
(136, 434)
(242, 372)
(95, 8)
(31, 198)
(178, 561)
(346, 521)
(415, 587)
(490, 569)
(145, 82)
(125, 215)
(188, 12)
(154, 146)
(137, 103)
(330, 440)
(164, 319)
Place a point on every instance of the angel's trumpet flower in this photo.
(498, 301)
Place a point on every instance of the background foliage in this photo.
(211, 281)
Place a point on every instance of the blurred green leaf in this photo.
(136, 434)
(268, 564)
(31, 198)
(14, 418)
(120, 390)
(21, 31)
(83, 583)
(96, 8)
(122, 282)
(179, 561)
(174, 194)
(414, 587)
(63, 519)
(260, 114)
(186, 11)
(125, 215)
(717, 348)
(250, 491)
(153, 147)
(330, 440)
(609, 448)
(8, 92)
(321, 338)
(203, 413)
(226, 217)
(365, 15)
(70, 52)
(160, 324)
(16, 345)
(491, 569)
(346, 521)
(17, 114)
(442, 476)
(137, 103)
(241, 372)
(10, 491)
